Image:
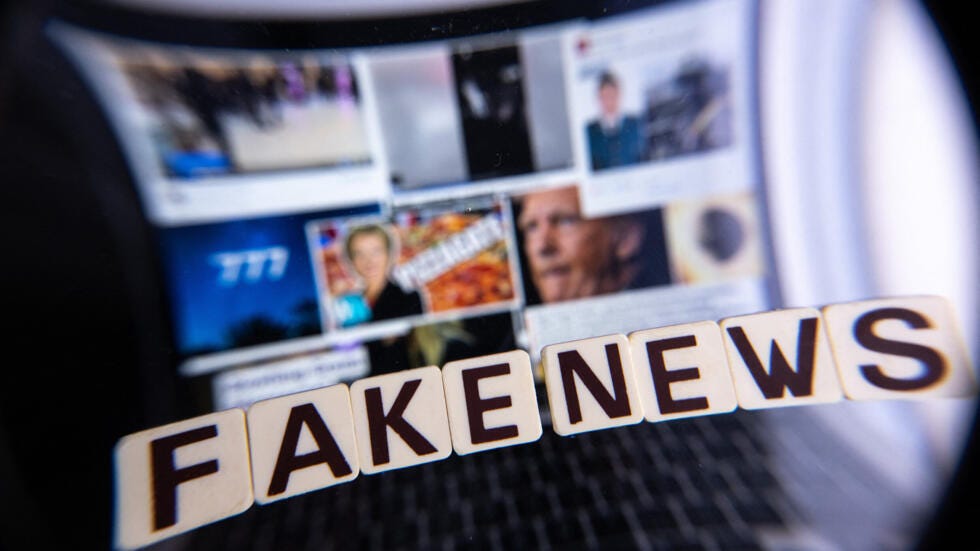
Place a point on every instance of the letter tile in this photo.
(177, 477)
(302, 442)
(682, 371)
(491, 402)
(908, 347)
(780, 358)
(602, 367)
(400, 419)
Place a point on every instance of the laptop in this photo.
(320, 200)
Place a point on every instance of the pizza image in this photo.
(484, 278)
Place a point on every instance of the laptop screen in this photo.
(327, 214)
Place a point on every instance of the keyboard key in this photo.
(755, 510)
(611, 524)
(489, 512)
(522, 537)
(531, 504)
(704, 514)
(564, 531)
(657, 518)
(444, 521)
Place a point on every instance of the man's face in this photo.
(569, 256)
(609, 100)
(369, 255)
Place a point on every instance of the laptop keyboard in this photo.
(702, 483)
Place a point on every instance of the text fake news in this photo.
(180, 476)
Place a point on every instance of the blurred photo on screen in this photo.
(441, 342)
(687, 112)
(473, 110)
(241, 385)
(429, 260)
(714, 239)
(490, 92)
(672, 264)
(238, 284)
(661, 105)
(566, 256)
(213, 114)
(215, 134)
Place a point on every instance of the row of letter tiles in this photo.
(311, 440)
(167, 477)
(900, 348)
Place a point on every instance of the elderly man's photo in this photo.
(568, 256)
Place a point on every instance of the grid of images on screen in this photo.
(330, 215)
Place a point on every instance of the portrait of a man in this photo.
(614, 137)
(569, 256)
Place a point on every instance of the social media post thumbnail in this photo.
(423, 263)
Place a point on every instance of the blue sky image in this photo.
(243, 282)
